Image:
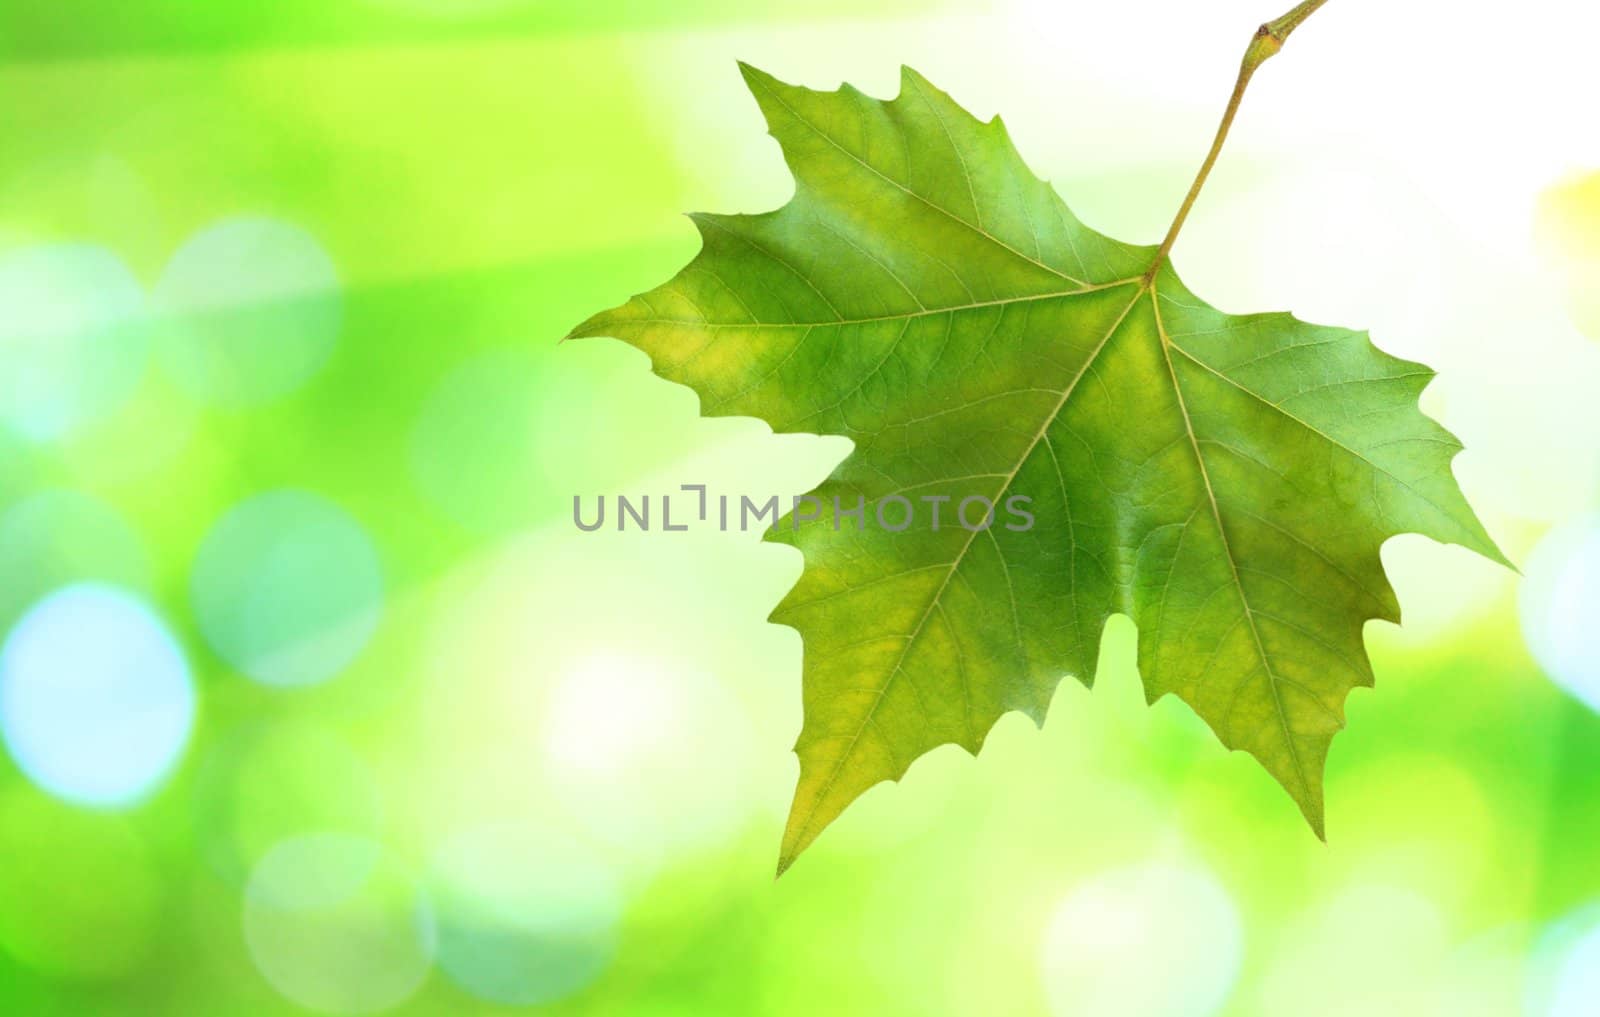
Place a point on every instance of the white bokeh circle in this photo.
(1095, 958)
(96, 700)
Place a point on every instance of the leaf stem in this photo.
(1264, 45)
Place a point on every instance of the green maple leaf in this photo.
(1225, 481)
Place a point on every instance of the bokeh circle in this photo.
(1097, 948)
(526, 916)
(1560, 601)
(73, 338)
(249, 310)
(96, 700)
(287, 588)
(335, 924)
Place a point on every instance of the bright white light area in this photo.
(645, 750)
(96, 701)
(1096, 958)
(611, 711)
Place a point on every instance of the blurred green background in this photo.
(314, 699)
